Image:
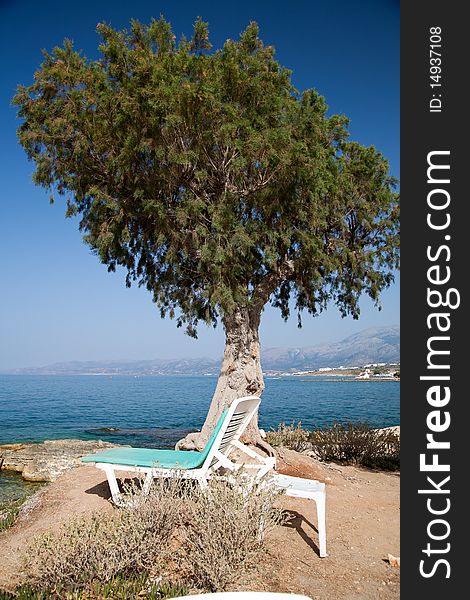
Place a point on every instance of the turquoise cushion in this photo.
(149, 457)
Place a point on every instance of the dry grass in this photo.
(291, 436)
(357, 443)
(226, 529)
(353, 443)
(210, 536)
(101, 547)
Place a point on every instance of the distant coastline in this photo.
(370, 348)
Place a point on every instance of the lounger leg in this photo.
(202, 483)
(113, 485)
(147, 483)
(320, 501)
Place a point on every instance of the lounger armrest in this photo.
(267, 462)
(252, 454)
(224, 461)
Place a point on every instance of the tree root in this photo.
(192, 442)
(252, 437)
(263, 445)
(195, 442)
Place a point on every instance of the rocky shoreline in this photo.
(46, 461)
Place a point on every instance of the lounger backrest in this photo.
(211, 440)
(239, 414)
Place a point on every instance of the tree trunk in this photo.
(240, 375)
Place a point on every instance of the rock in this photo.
(46, 461)
(290, 462)
(394, 561)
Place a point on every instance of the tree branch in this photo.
(270, 282)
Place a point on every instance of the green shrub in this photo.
(28, 593)
(119, 588)
(8, 512)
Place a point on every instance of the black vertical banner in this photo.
(435, 323)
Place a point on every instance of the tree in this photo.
(213, 182)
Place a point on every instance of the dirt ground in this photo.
(362, 514)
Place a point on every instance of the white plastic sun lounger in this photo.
(246, 596)
(201, 466)
(189, 465)
(311, 489)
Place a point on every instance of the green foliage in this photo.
(208, 177)
(9, 511)
(119, 588)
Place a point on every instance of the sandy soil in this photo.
(362, 529)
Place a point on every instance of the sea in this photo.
(156, 411)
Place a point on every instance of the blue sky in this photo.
(57, 302)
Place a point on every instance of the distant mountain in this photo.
(373, 345)
(177, 366)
